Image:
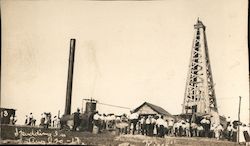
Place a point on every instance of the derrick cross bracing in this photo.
(199, 93)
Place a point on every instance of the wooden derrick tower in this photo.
(199, 93)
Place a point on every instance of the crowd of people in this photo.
(13, 120)
(46, 120)
(30, 120)
(149, 125)
(156, 125)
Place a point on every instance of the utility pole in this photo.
(249, 95)
(238, 134)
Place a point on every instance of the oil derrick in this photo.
(199, 93)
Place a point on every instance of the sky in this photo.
(127, 52)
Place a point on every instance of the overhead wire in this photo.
(114, 105)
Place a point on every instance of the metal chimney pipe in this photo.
(70, 77)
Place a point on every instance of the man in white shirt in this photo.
(42, 121)
(205, 122)
(176, 128)
(212, 127)
(143, 125)
(228, 120)
(26, 120)
(165, 124)
(112, 117)
(96, 118)
(160, 124)
(229, 132)
(108, 121)
(30, 119)
(134, 119)
(148, 123)
(170, 126)
(187, 128)
(218, 131)
(182, 125)
(112, 121)
(11, 120)
(234, 136)
(54, 121)
(193, 129)
(200, 131)
(101, 121)
(152, 127)
(244, 135)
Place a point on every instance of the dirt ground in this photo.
(36, 135)
(130, 140)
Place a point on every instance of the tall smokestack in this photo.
(70, 77)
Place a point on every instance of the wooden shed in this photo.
(150, 109)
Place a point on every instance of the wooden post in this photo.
(58, 114)
(238, 133)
